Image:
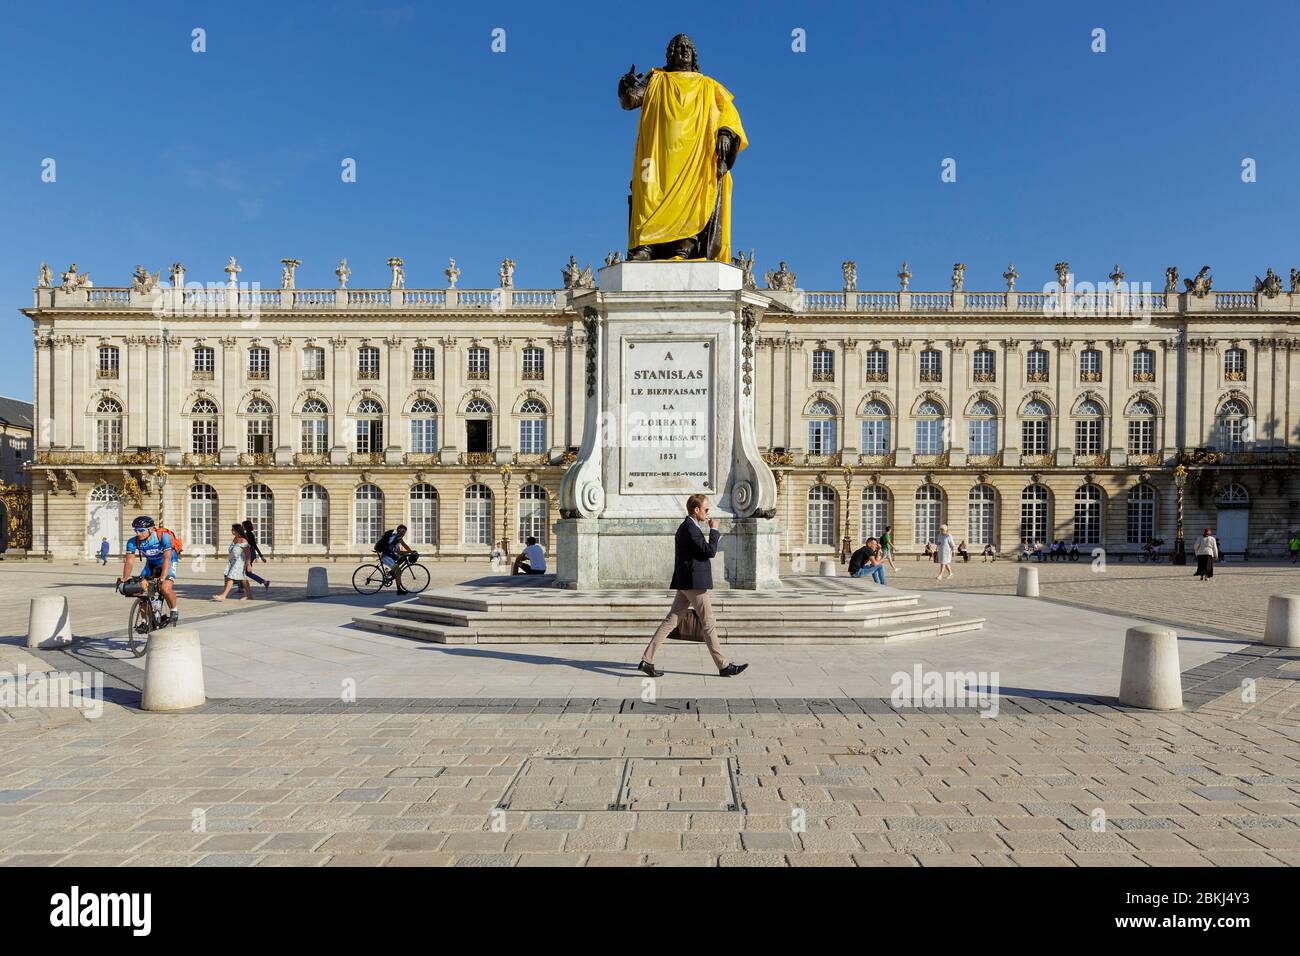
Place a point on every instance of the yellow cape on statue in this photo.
(675, 175)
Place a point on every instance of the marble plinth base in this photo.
(638, 553)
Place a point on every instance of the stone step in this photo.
(548, 620)
(596, 634)
(579, 604)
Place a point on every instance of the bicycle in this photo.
(1151, 552)
(373, 578)
(147, 614)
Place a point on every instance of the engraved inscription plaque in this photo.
(667, 403)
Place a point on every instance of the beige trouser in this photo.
(698, 601)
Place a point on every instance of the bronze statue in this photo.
(680, 206)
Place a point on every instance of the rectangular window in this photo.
(534, 364)
(983, 437)
(313, 363)
(107, 361)
(424, 367)
(1036, 363)
(313, 518)
(368, 362)
(875, 436)
(259, 436)
(315, 436)
(108, 436)
(204, 362)
(424, 435)
(1142, 437)
(1144, 366)
(532, 436)
(1090, 366)
(1087, 436)
(985, 366)
(370, 436)
(929, 436)
(823, 365)
(259, 363)
(931, 366)
(479, 363)
(1141, 522)
(821, 436)
(875, 365)
(203, 433)
(1034, 437)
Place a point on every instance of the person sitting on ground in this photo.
(989, 554)
(868, 562)
(531, 560)
(1038, 551)
(1074, 551)
(930, 550)
(961, 550)
(1024, 550)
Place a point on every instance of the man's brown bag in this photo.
(689, 628)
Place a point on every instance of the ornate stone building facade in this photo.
(326, 415)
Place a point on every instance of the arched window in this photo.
(424, 514)
(1233, 495)
(1036, 429)
(1141, 523)
(532, 427)
(108, 426)
(1036, 514)
(821, 429)
(369, 524)
(875, 511)
(875, 429)
(259, 362)
(1234, 365)
(315, 427)
(822, 517)
(202, 530)
(985, 365)
(479, 364)
(929, 513)
(981, 521)
(1142, 429)
(1088, 501)
(1233, 426)
(983, 421)
(929, 429)
(1088, 429)
(478, 426)
(1037, 364)
(478, 522)
(261, 429)
(424, 426)
(259, 508)
(532, 513)
(370, 427)
(203, 427)
(313, 515)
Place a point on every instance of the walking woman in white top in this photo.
(1207, 552)
(236, 564)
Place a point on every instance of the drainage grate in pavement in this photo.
(592, 784)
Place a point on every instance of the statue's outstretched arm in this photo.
(631, 89)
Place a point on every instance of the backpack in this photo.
(381, 546)
(177, 546)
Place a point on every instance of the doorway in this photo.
(478, 435)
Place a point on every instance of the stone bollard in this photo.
(318, 581)
(173, 671)
(1151, 678)
(49, 623)
(1027, 582)
(1283, 626)
(826, 567)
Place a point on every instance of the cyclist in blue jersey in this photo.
(159, 555)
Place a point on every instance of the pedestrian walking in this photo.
(692, 579)
(103, 553)
(254, 554)
(1207, 552)
(887, 546)
(1295, 546)
(236, 563)
(943, 551)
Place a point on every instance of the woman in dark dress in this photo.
(254, 554)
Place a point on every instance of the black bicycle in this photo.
(406, 573)
(147, 611)
(1151, 551)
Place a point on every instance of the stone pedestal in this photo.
(669, 380)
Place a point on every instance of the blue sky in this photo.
(1133, 155)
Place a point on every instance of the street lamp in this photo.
(160, 479)
(505, 507)
(1180, 551)
(846, 547)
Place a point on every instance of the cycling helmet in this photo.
(142, 523)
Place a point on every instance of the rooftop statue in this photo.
(688, 138)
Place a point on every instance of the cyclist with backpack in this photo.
(161, 550)
(389, 547)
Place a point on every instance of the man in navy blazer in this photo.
(692, 579)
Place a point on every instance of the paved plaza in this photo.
(323, 744)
